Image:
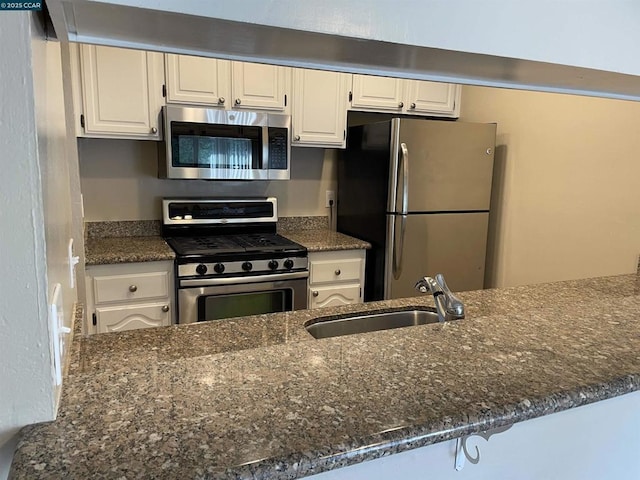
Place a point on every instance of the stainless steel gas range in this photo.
(230, 261)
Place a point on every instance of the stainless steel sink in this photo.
(369, 322)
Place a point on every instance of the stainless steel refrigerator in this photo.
(419, 191)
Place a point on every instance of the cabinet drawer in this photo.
(334, 296)
(117, 288)
(132, 317)
(335, 271)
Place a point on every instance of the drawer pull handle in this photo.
(315, 293)
(133, 288)
(165, 308)
(337, 272)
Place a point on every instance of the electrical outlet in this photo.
(331, 198)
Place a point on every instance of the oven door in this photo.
(202, 300)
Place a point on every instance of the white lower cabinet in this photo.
(129, 296)
(334, 296)
(592, 442)
(131, 317)
(336, 278)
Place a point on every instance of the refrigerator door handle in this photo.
(398, 234)
(405, 178)
(398, 246)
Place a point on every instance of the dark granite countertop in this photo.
(128, 249)
(258, 397)
(323, 239)
(109, 250)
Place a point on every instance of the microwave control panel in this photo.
(278, 147)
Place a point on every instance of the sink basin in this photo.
(369, 322)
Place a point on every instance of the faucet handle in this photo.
(428, 285)
(453, 304)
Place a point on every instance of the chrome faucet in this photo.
(449, 306)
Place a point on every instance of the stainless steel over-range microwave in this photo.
(211, 144)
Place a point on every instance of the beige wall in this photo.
(567, 202)
(119, 182)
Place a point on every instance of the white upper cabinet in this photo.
(433, 98)
(258, 86)
(121, 92)
(319, 105)
(383, 94)
(380, 94)
(198, 80)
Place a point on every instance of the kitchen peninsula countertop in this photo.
(258, 397)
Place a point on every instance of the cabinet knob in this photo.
(221, 100)
(401, 104)
(165, 308)
(413, 105)
(133, 288)
(154, 130)
(238, 102)
(315, 293)
(337, 272)
(297, 138)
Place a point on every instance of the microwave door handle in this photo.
(265, 148)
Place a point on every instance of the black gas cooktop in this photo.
(211, 245)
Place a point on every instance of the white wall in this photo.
(568, 202)
(27, 393)
(39, 185)
(120, 182)
(56, 151)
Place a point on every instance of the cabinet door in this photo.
(319, 108)
(441, 99)
(197, 80)
(333, 296)
(257, 86)
(377, 93)
(122, 92)
(131, 317)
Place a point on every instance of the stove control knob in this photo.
(288, 264)
(201, 269)
(218, 268)
(246, 266)
(273, 265)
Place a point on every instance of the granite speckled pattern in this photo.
(321, 240)
(109, 250)
(302, 223)
(258, 397)
(125, 228)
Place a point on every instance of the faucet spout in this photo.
(449, 306)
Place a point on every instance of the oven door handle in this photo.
(202, 282)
